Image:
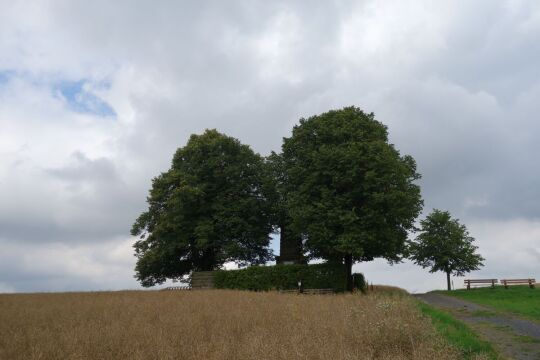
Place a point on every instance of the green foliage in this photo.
(520, 300)
(209, 208)
(350, 192)
(282, 277)
(445, 245)
(458, 334)
(277, 182)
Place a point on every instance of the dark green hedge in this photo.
(283, 277)
(360, 282)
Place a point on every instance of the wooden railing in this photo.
(182, 287)
(308, 291)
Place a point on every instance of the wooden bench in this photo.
(529, 282)
(468, 282)
(318, 291)
(288, 291)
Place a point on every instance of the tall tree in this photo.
(209, 208)
(445, 245)
(350, 192)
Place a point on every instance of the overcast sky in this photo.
(95, 97)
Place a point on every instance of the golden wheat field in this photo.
(215, 324)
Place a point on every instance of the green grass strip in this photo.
(519, 300)
(458, 334)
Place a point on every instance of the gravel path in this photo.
(514, 337)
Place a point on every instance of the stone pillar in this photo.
(290, 248)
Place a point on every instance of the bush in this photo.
(283, 277)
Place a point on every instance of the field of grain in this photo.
(215, 324)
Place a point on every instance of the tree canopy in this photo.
(350, 192)
(209, 208)
(445, 245)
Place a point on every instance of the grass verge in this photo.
(458, 334)
(519, 300)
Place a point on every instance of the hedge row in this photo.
(286, 277)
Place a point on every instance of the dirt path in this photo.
(514, 337)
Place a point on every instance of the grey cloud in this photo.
(58, 267)
(92, 203)
(83, 169)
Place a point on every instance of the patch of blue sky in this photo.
(5, 76)
(274, 243)
(80, 100)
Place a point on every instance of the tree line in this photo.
(338, 190)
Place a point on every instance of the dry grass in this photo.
(215, 325)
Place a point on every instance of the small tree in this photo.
(445, 245)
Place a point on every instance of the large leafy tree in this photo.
(350, 192)
(209, 208)
(445, 245)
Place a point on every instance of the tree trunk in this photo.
(348, 270)
(448, 280)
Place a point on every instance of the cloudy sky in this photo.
(95, 97)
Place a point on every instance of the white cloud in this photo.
(398, 36)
